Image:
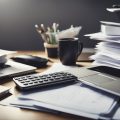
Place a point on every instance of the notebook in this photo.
(12, 68)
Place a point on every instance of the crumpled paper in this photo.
(72, 32)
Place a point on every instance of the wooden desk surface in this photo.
(12, 113)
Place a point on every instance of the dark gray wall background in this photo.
(18, 17)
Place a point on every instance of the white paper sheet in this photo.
(4, 55)
(106, 60)
(6, 52)
(107, 54)
(102, 37)
(109, 45)
(27, 104)
(101, 63)
(66, 110)
(74, 97)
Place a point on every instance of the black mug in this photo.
(69, 49)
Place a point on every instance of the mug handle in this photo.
(80, 47)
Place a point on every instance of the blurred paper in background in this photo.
(3, 56)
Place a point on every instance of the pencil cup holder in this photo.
(51, 50)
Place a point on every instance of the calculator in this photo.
(32, 81)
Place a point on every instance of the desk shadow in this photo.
(5, 96)
(44, 88)
(78, 65)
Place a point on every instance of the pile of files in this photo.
(68, 99)
(108, 49)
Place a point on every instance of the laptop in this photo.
(11, 69)
(101, 77)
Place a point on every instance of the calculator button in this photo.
(30, 83)
(22, 82)
(45, 79)
(40, 81)
(51, 79)
(27, 81)
(25, 84)
(33, 80)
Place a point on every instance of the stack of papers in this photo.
(107, 51)
(110, 28)
(72, 99)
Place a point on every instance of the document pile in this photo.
(107, 51)
(77, 99)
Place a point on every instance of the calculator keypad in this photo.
(35, 81)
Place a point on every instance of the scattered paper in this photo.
(6, 52)
(3, 55)
(103, 37)
(105, 59)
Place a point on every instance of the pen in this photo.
(54, 27)
(37, 27)
(42, 32)
(48, 35)
(42, 28)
